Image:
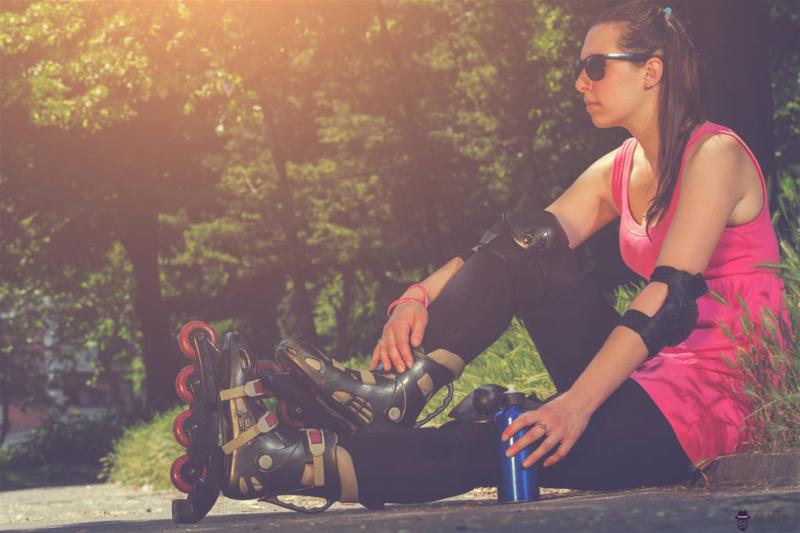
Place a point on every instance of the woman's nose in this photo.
(583, 83)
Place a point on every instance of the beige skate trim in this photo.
(449, 360)
(342, 396)
(307, 480)
(425, 384)
(348, 483)
(367, 377)
(337, 365)
(251, 389)
(317, 450)
(313, 363)
(347, 476)
(265, 424)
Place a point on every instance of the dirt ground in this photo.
(106, 507)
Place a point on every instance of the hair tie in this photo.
(667, 11)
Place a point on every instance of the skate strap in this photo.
(265, 424)
(367, 377)
(316, 445)
(251, 389)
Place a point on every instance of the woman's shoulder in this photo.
(712, 144)
(720, 159)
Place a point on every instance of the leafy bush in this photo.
(142, 456)
(68, 439)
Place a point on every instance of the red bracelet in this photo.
(426, 297)
(400, 301)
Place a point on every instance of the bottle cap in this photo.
(512, 397)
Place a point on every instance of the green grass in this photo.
(776, 402)
(142, 456)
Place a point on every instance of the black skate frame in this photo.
(205, 450)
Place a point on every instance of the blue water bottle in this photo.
(516, 484)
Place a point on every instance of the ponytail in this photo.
(650, 29)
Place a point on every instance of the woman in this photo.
(640, 398)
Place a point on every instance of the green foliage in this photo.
(144, 453)
(299, 163)
(512, 360)
(770, 362)
(66, 439)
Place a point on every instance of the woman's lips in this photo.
(591, 105)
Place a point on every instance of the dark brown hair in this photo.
(649, 28)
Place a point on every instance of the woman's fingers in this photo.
(528, 418)
(541, 451)
(376, 356)
(394, 347)
(383, 354)
(401, 337)
(394, 353)
(534, 434)
(563, 449)
(418, 328)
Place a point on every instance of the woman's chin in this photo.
(600, 122)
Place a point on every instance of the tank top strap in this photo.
(705, 129)
(620, 172)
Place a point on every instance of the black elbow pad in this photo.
(520, 237)
(678, 315)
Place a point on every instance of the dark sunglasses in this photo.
(595, 64)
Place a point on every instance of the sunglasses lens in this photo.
(578, 68)
(595, 67)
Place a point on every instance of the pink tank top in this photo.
(697, 391)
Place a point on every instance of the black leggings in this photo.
(627, 442)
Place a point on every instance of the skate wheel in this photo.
(183, 476)
(184, 383)
(288, 415)
(272, 366)
(180, 428)
(187, 334)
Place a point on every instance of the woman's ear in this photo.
(653, 72)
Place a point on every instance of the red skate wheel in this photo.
(184, 477)
(188, 331)
(180, 428)
(288, 415)
(272, 366)
(176, 475)
(184, 383)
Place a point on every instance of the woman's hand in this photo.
(562, 419)
(393, 349)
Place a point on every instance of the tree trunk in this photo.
(5, 426)
(732, 39)
(298, 271)
(422, 186)
(343, 312)
(262, 317)
(161, 356)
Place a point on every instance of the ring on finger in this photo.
(543, 426)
